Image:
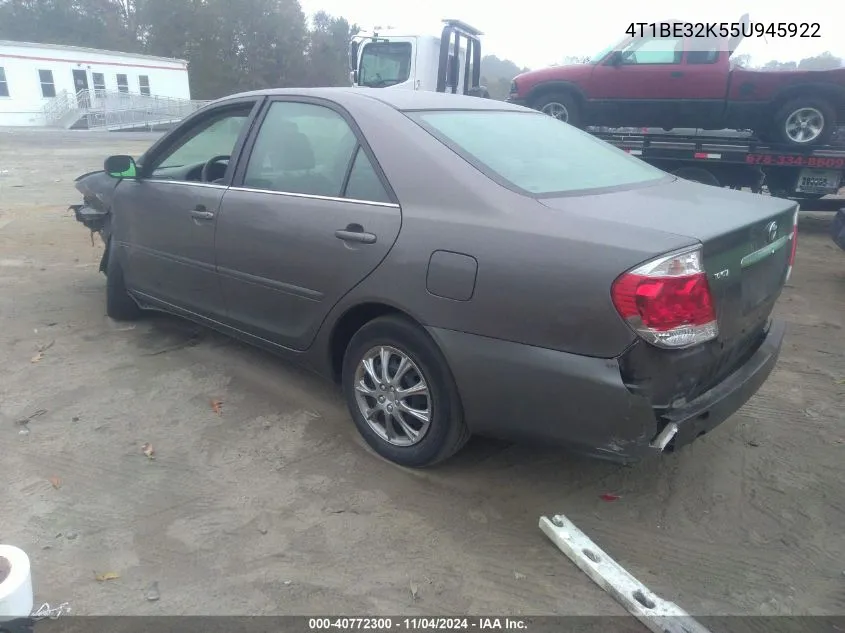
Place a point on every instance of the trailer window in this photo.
(384, 64)
(48, 88)
(534, 153)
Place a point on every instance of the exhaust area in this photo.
(664, 437)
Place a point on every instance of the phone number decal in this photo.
(724, 29)
(799, 161)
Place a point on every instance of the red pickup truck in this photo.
(680, 81)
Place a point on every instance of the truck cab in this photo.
(393, 58)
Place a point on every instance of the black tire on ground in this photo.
(119, 305)
(816, 107)
(447, 432)
(557, 103)
(697, 174)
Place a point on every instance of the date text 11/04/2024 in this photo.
(417, 624)
(723, 29)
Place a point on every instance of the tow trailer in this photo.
(739, 163)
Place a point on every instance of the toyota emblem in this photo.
(771, 232)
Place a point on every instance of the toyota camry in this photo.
(458, 265)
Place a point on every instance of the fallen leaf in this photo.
(217, 406)
(840, 382)
(108, 575)
(36, 358)
(57, 483)
(518, 576)
(148, 450)
(415, 590)
(609, 497)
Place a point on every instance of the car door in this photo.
(166, 217)
(310, 214)
(647, 81)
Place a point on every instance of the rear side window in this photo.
(534, 153)
(364, 183)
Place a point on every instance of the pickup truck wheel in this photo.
(804, 121)
(401, 393)
(120, 306)
(560, 105)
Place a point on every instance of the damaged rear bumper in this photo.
(519, 392)
(699, 416)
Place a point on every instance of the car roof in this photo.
(404, 100)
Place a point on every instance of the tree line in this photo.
(230, 46)
(825, 61)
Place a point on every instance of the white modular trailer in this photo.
(31, 75)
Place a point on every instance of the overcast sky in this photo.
(537, 33)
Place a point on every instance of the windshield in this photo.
(384, 64)
(534, 153)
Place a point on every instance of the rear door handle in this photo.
(355, 233)
(676, 74)
(200, 213)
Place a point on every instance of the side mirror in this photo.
(353, 77)
(353, 54)
(120, 166)
(616, 58)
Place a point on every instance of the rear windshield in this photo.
(534, 153)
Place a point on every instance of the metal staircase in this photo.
(114, 110)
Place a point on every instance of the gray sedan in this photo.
(459, 265)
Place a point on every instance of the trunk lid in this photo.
(746, 247)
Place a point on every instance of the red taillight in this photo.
(794, 244)
(668, 301)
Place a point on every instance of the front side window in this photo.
(123, 83)
(535, 153)
(654, 50)
(301, 148)
(144, 84)
(4, 85)
(384, 64)
(214, 136)
(48, 88)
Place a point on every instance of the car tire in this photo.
(120, 306)
(811, 109)
(557, 103)
(404, 342)
(697, 174)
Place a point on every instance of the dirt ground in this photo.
(273, 505)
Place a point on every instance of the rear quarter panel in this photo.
(542, 279)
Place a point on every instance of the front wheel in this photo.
(120, 306)
(804, 122)
(401, 393)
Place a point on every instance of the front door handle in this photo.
(355, 233)
(676, 74)
(201, 213)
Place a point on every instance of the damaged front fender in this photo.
(97, 189)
